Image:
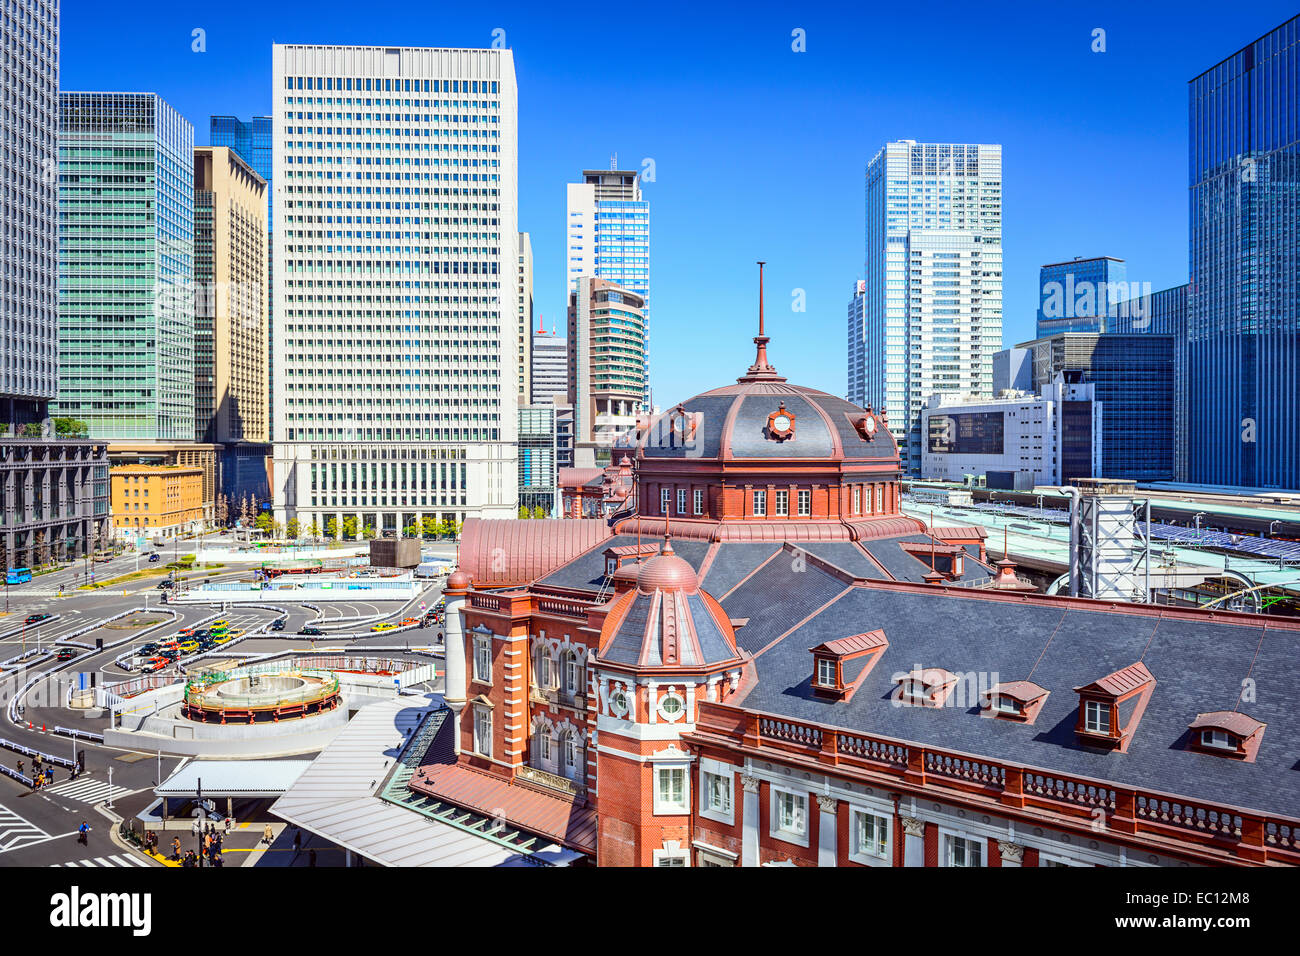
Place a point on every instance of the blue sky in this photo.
(759, 151)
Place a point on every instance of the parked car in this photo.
(170, 653)
(189, 647)
(234, 632)
(65, 654)
(220, 622)
(154, 664)
(383, 626)
(207, 644)
(410, 621)
(222, 639)
(148, 649)
(277, 624)
(37, 618)
(311, 631)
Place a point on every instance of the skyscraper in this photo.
(608, 237)
(1242, 354)
(54, 493)
(525, 313)
(550, 365)
(231, 340)
(606, 366)
(928, 317)
(253, 142)
(1077, 296)
(126, 308)
(394, 330)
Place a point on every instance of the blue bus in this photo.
(18, 575)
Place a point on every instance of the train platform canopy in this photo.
(233, 778)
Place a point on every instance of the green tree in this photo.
(539, 512)
(313, 530)
(349, 527)
(293, 529)
(277, 530)
(331, 527)
(524, 512)
(430, 526)
(264, 523)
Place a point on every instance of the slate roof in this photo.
(1199, 665)
(732, 422)
(587, 570)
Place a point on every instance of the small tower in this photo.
(665, 646)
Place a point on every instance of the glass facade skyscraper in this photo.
(253, 142)
(928, 316)
(1241, 363)
(608, 237)
(126, 266)
(1073, 296)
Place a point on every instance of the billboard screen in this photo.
(966, 433)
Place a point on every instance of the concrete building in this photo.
(231, 339)
(930, 312)
(53, 478)
(606, 359)
(1238, 374)
(232, 343)
(207, 458)
(126, 320)
(608, 237)
(550, 365)
(1018, 440)
(395, 339)
(525, 323)
(1012, 369)
(157, 500)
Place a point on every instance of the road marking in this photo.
(88, 790)
(117, 859)
(17, 832)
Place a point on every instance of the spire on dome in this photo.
(761, 370)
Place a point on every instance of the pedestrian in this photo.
(216, 860)
(20, 768)
(311, 857)
(297, 840)
(267, 835)
(176, 848)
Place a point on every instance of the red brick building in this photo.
(767, 663)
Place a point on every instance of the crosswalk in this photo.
(16, 833)
(86, 790)
(117, 859)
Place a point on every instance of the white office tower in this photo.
(523, 355)
(395, 286)
(929, 316)
(608, 237)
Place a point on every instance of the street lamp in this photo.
(1270, 527)
(1197, 519)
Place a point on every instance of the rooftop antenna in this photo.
(761, 369)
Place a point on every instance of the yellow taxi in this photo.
(189, 647)
(221, 623)
(221, 639)
(235, 632)
(385, 626)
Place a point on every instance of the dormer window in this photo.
(840, 666)
(1227, 733)
(927, 687)
(1096, 718)
(1017, 700)
(1110, 708)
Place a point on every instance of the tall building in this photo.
(232, 343)
(231, 339)
(253, 142)
(606, 361)
(1078, 295)
(608, 237)
(1133, 376)
(1242, 358)
(537, 459)
(930, 312)
(394, 330)
(126, 319)
(550, 365)
(525, 323)
(54, 488)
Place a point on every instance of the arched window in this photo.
(571, 757)
(573, 673)
(545, 669)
